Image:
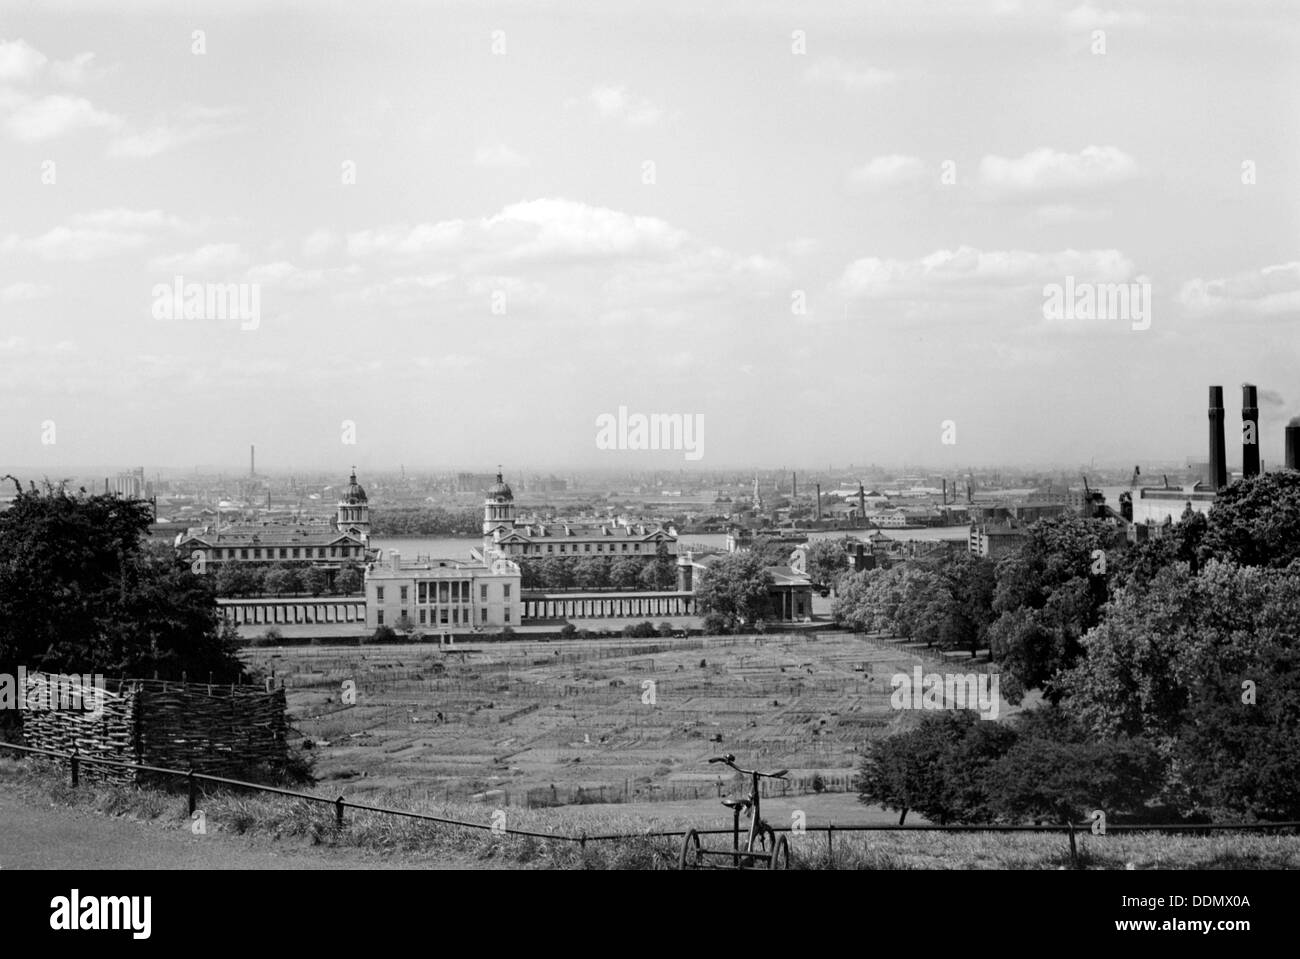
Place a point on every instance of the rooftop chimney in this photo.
(1293, 444)
(1249, 431)
(1218, 470)
(395, 560)
(819, 500)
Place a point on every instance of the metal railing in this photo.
(830, 829)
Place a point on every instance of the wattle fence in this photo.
(213, 729)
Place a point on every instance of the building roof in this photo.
(500, 489)
(269, 535)
(786, 576)
(353, 494)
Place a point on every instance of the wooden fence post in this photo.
(76, 766)
(830, 843)
(194, 791)
(1074, 850)
(338, 813)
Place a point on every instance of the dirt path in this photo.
(58, 837)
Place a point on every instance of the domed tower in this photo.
(498, 510)
(354, 510)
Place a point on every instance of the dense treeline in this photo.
(244, 579)
(1170, 671)
(82, 589)
(425, 521)
(600, 572)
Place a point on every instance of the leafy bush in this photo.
(271, 637)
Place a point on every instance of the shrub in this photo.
(383, 634)
(271, 637)
(569, 631)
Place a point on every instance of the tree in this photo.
(937, 768)
(970, 582)
(232, 579)
(1205, 666)
(772, 551)
(591, 572)
(279, 580)
(625, 573)
(1046, 598)
(348, 581)
(826, 561)
(735, 588)
(1055, 771)
(315, 580)
(554, 573)
(1256, 521)
(81, 590)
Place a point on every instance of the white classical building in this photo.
(434, 595)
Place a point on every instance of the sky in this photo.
(825, 232)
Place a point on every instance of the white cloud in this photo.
(852, 77)
(31, 120)
(1088, 17)
(420, 240)
(96, 235)
(77, 70)
(448, 362)
(618, 103)
(1045, 171)
(1269, 291)
(1056, 213)
(19, 61)
(884, 172)
(319, 242)
(213, 258)
(285, 274)
(945, 274)
(499, 157)
(590, 258)
(191, 125)
(22, 292)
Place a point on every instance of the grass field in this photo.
(612, 721)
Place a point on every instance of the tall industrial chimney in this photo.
(252, 460)
(819, 500)
(945, 491)
(1218, 469)
(1293, 444)
(794, 486)
(1249, 431)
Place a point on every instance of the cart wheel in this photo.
(691, 856)
(780, 855)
